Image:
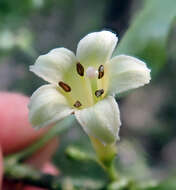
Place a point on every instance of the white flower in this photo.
(85, 85)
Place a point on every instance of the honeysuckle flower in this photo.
(85, 84)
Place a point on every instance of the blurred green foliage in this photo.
(148, 34)
(171, 47)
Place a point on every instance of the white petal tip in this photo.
(96, 47)
(101, 120)
(31, 68)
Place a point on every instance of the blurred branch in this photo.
(28, 175)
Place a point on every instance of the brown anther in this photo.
(77, 104)
(64, 86)
(100, 71)
(98, 93)
(80, 69)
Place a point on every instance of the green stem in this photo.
(54, 131)
(112, 173)
(106, 155)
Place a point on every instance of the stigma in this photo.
(91, 72)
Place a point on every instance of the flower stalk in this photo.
(106, 155)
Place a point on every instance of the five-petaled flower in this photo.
(85, 85)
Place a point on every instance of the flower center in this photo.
(84, 87)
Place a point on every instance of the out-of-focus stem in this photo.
(28, 175)
(106, 155)
(54, 131)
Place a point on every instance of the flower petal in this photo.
(52, 66)
(47, 106)
(127, 73)
(101, 120)
(96, 48)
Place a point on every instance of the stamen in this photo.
(64, 86)
(98, 93)
(77, 104)
(100, 71)
(80, 69)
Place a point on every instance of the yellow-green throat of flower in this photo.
(92, 83)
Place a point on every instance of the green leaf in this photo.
(122, 184)
(147, 36)
(171, 47)
(168, 184)
(76, 153)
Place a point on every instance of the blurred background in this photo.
(146, 29)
